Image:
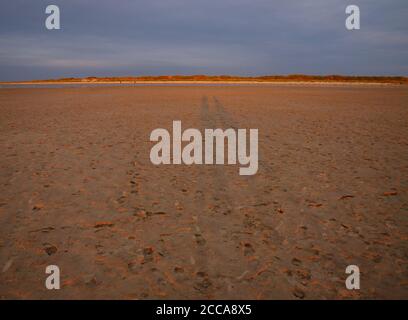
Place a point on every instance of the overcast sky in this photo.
(240, 37)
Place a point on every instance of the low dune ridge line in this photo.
(226, 78)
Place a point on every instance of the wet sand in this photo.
(78, 190)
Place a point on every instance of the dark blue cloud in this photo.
(243, 37)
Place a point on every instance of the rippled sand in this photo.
(77, 190)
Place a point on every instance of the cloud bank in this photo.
(240, 37)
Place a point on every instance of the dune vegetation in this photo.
(230, 78)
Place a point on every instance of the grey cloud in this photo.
(196, 36)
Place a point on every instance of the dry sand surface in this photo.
(78, 190)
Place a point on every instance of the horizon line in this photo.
(224, 77)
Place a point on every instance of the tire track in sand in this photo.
(252, 225)
(223, 256)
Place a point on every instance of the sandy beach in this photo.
(78, 190)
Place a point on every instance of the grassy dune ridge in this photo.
(230, 78)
